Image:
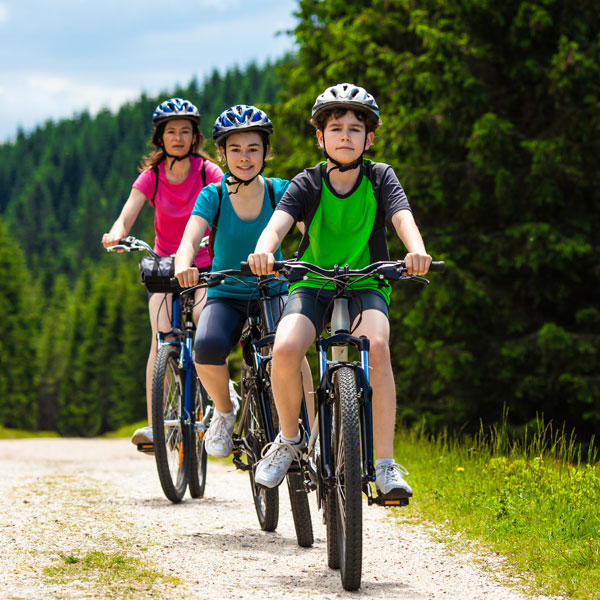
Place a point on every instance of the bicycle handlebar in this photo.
(296, 270)
(131, 244)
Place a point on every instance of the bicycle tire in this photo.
(330, 508)
(348, 488)
(170, 441)
(266, 500)
(300, 510)
(198, 456)
(330, 517)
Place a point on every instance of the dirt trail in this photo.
(72, 498)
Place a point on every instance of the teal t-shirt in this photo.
(236, 238)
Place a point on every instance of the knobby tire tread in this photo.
(348, 488)
(300, 510)
(166, 365)
(198, 456)
(266, 501)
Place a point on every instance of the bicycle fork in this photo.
(339, 343)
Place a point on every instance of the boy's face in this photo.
(344, 138)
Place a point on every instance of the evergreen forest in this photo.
(491, 119)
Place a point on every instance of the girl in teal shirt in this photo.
(242, 134)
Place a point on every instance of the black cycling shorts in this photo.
(221, 324)
(317, 304)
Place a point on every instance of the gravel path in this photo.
(66, 501)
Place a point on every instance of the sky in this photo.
(60, 57)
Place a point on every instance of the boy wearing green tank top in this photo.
(344, 204)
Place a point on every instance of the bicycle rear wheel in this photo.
(170, 435)
(266, 501)
(300, 510)
(197, 475)
(348, 490)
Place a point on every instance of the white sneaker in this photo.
(144, 436)
(390, 482)
(218, 440)
(277, 458)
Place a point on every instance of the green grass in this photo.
(15, 434)
(119, 575)
(126, 431)
(536, 501)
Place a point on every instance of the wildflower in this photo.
(460, 469)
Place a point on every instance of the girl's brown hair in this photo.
(156, 156)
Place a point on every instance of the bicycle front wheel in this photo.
(170, 434)
(348, 490)
(197, 475)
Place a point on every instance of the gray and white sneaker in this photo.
(277, 458)
(390, 482)
(218, 440)
(144, 439)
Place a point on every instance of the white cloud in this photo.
(34, 98)
(3, 13)
(67, 95)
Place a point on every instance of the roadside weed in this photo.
(535, 501)
(120, 576)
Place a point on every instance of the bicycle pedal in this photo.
(381, 501)
(146, 448)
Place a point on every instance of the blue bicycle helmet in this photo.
(240, 118)
(175, 108)
(345, 95)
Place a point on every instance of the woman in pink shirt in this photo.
(171, 178)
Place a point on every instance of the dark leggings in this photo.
(220, 326)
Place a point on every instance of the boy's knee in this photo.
(379, 353)
(287, 354)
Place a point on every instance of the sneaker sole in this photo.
(141, 439)
(396, 494)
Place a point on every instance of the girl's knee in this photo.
(210, 351)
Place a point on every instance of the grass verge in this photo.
(15, 434)
(535, 501)
(119, 575)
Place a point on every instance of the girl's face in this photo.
(344, 138)
(178, 137)
(244, 153)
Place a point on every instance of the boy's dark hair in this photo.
(371, 121)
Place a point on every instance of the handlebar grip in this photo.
(437, 266)
(245, 268)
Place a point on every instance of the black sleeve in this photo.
(392, 195)
(299, 197)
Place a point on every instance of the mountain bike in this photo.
(340, 467)
(257, 423)
(181, 409)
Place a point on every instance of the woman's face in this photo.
(178, 137)
(244, 153)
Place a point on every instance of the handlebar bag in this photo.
(157, 274)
